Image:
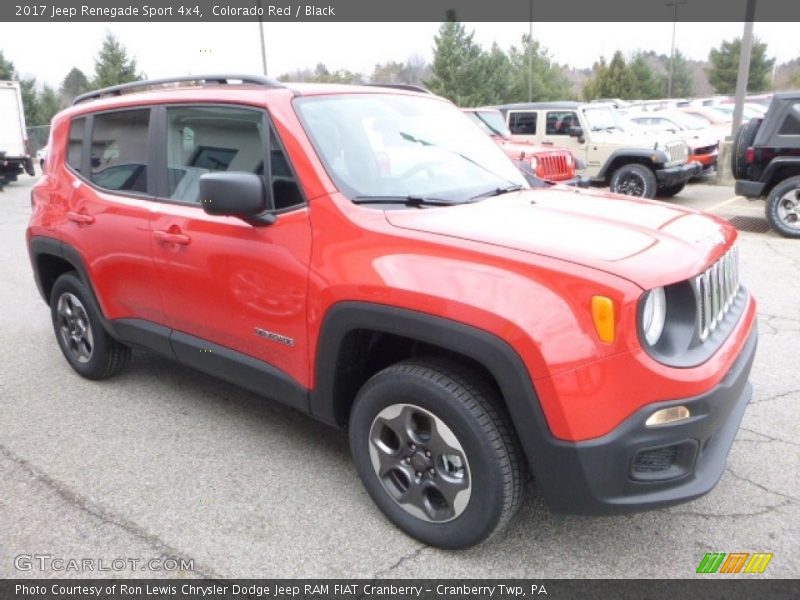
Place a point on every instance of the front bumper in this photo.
(680, 174)
(636, 468)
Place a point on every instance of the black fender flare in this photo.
(493, 353)
(42, 245)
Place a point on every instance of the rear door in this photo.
(222, 280)
(109, 210)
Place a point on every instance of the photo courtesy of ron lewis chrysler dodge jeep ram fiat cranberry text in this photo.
(370, 257)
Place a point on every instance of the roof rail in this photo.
(118, 90)
(402, 86)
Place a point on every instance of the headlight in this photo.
(654, 315)
(534, 162)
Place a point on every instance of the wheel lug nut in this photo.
(419, 474)
(432, 471)
(407, 460)
(412, 447)
(428, 453)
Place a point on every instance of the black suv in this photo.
(766, 162)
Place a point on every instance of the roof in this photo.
(540, 105)
(212, 84)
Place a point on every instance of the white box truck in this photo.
(14, 157)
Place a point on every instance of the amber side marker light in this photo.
(603, 317)
(667, 415)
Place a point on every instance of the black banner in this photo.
(394, 11)
(746, 587)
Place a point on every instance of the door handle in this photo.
(171, 237)
(81, 218)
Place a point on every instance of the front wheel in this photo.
(634, 180)
(435, 452)
(783, 208)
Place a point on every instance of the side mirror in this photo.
(236, 194)
(576, 131)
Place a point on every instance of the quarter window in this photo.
(522, 123)
(119, 150)
(791, 125)
(75, 144)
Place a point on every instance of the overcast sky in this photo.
(49, 50)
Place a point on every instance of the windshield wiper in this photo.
(409, 200)
(498, 192)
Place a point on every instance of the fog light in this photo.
(668, 415)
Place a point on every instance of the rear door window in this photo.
(522, 123)
(119, 150)
(791, 124)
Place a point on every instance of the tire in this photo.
(404, 421)
(743, 139)
(634, 180)
(84, 342)
(783, 208)
(670, 190)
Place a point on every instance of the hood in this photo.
(633, 138)
(646, 242)
(519, 149)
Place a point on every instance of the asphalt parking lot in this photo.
(164, 461)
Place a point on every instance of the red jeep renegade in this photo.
(369, 257)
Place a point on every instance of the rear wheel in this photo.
(634, 180)
(435, 452)
(743, 140)
(670, 190)
(783, 208)
(76, 320)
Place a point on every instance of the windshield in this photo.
(386, 145)
(603, 118)
(491, 122)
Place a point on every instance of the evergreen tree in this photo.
(499, 77)
(725, 67)
(49, 104)
(7, 72)
(613, 80)
(682, 76)
(549, 79)
(648, 83)
(30, 102)
(459, 65)
(73, 85)
(112, 65)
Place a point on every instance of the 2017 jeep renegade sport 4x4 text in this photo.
(370, 257)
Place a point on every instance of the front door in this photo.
(236, 285)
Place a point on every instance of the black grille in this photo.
(654, 461)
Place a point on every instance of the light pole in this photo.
(674, 4)
(261, 35)
(744, 65)
(530, 55)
